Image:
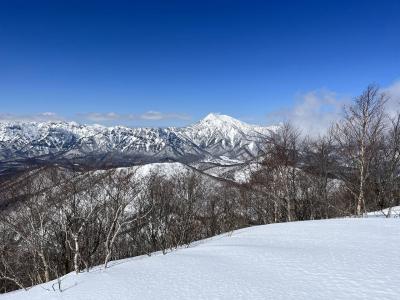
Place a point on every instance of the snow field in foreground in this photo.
(327, 259)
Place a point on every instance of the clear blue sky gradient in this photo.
(242, 58)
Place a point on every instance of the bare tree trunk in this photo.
(289, 209)
(46, 267)
(109, 244)
(76, 254)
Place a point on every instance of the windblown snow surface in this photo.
(329, 259)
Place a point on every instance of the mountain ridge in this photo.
(216, 136)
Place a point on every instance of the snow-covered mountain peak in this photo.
(225, 136)
(214, 137)
(226, 127)
(217, 117)
(219, 120)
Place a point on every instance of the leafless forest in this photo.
(54, 220)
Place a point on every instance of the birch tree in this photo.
(122, 209)
(358, 136)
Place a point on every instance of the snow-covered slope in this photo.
(164, 169)
(393, 212)
(329, 259)
(215, 137)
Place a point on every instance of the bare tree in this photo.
(358, 136)
(385, 168)
(30, 220)
(282, 156)
(123, 207)
(80, 206)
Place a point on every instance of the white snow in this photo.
(231, 170)
(217, 128)
(31, 139)
(167, 169)
(393, 212)
(329, 259)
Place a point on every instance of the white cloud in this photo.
(100, 117)
(108, 117)
(37, 117)
(155, 115)
(393, 92)
(147, 116)
(313, 112)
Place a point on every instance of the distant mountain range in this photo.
(217, 138)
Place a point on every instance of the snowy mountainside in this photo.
(225, 136)
(216, 137)
(354, 258)
(238, 172)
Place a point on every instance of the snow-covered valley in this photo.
(353, 258)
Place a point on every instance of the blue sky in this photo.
(159, 63)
